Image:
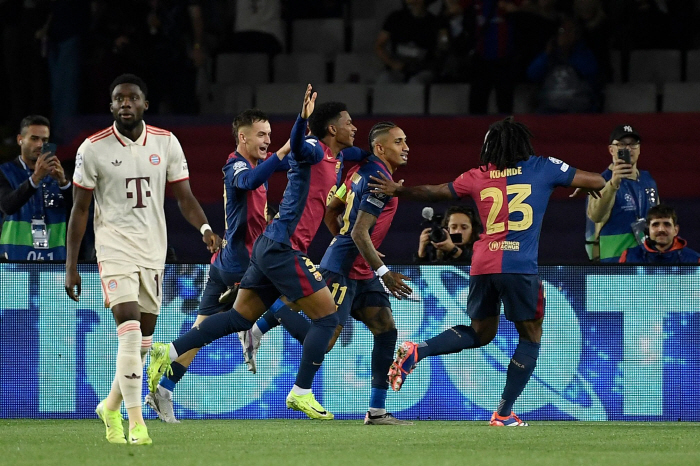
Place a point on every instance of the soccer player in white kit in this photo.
(126, 167)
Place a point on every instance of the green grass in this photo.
(317, 443)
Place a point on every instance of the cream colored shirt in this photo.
(128, 181)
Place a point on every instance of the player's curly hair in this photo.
(129, 78)
(377, 130)
(247, 118)
(507, 143)
(325, 114)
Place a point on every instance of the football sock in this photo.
(129, 367)
(268, 321)
(300, 391)
(314, 348)
(377, 400)
(146, 343)
(452, 340)
(382, 357)
(295, 323)
(520, 369)
(170, 381)
(211, 329)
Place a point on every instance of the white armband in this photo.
(204, 228)
(381, 271)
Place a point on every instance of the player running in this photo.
(126, 167)
(245, 199)
(511, 188)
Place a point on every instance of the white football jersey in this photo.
(128, 181)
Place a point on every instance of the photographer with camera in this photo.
(34, 197)
(448, 238)
(615, 221)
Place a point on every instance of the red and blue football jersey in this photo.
(511, 205)
(343, 256)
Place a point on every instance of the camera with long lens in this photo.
(434, 222)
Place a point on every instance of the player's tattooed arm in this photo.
(430, 193)
(394, 281)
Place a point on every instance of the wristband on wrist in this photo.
(204, 228)
(381, 271)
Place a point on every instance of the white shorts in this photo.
(123, 282)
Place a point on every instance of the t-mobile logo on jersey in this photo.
(139, 190)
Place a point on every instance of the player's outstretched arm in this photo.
(76, 230)
(429, 193)
(193, 213)
(303, 149)
(588, 182)
(394, 281)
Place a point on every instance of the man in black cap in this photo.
(616, 220)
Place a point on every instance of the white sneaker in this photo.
(250, 344)
(162, 403)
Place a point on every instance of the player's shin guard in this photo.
(452, 340)
(129, 367)
(294, 323)
(211, 329)
(314, 350)
(520, 369)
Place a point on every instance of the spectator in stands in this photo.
(567, 72)
(412, 36)
(258, 27)
(457, 40)
(595, 32)
(615, 221)
(535, 25)
(662, 245)
(459, 220)
(34, 198)
(640, 24)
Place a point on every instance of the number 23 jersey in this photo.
(511, 206)
(128, 181)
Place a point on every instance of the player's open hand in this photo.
(384, 185)
(212, 240)
(394, 282)
(72, 284)
(309, 102)
(593, 193)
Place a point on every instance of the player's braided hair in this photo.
(507, 143)
(129, 78)
(377, 130)
(247, 118)
(324, 114)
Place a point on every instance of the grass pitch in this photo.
(320, 443)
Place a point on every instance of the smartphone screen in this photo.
(49, 147)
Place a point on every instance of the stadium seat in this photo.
(364, 34)
(299, 68)
(655, 66)
(692, 71)
(237, 98)
(449, 99)
(242, 68)
(354, 95)
(357, 68)
(630, 98)
(398, 99)
(525, 98)
(681, 97)
(279, 98)
(616, 64)
(326, 36)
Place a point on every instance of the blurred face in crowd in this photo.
(344, 130)
(628, 142)
(254, 140)
(392, 148)
(460, 223)
(30, 141)
(663, 231)
(128, 105)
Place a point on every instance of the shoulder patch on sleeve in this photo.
(564, 167)
(555, 160)
(356, 178)
(375, 202)
(239, 167)
(78, 160)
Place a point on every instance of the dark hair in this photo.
(662, 211)
(247, 118)
(377, 130)
(323, 115)
(473, 218)
(31, 120)
(129, 78)
(507, 143)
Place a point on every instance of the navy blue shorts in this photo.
(352, 295)
(278, 270)
(218, 282)
(522, 296)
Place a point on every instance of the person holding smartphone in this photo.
(461, 227)
(615, 221)
(34, 197)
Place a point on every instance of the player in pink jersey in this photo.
(511, 188)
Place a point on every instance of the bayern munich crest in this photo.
(154, 159)
(112, 285)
